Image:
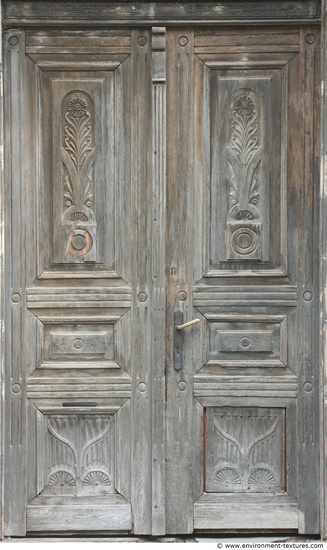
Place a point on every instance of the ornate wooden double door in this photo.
(155, 176)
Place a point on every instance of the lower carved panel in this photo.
(78, 455)
(244, 450)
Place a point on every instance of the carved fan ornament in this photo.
(243, 176)
(246, 444)
(80, 455)
(78, 158)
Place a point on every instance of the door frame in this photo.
(190, 13)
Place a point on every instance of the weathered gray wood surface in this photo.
(107, 514)
(323, 273)
(249, 224)
(248, 511)
(183, 474)
(2, 300)
(157, 227)
(105, 13)
(111, 425)
(140, 99)
(79, 177)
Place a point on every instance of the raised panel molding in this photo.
(209, 299)
(78, 472)
(265, 60)
(246, 144)
(213, 389)
(242, 343)
(77, 302)
(81, 179)
(231, 341)
(88, 342)
(83, 168)
(78, 390)
(103, 50)
(241, 106)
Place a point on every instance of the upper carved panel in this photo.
(80, 167)
(78, 156)
(243, 228)
(246, 184)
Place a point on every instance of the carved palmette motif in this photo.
(247, 450)
(79, 226)
(79, 455)
(244, 222)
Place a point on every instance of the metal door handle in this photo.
(189, 324)
(178, 337)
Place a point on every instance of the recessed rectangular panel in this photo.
(71, 343)
(86, 342)
(246, 342)
(246, 177)
(78, 455)
(244, 450)
(80, 162)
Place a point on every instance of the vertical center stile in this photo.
(157, 227)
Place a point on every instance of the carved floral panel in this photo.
(81, 164)
(246, 170)
(79, 455)
(244, 175)
(78, 154)
(245, 450)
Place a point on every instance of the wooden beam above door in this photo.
(112, 13)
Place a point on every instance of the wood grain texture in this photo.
(158, 275)
(309, 385)
(229, 125)
(249, 511)
(96, 336)
(78, 320)
(183, 467)
(140, 204)
(323, 274)
(62, 514)
(157, 12)
(2, 309)
(15, 410)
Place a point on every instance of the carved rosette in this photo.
(244, 223)
(79, 455)
(78, 157)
